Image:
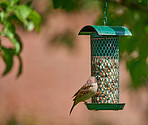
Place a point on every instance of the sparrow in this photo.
(85, 92)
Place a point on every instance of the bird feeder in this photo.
(105, 63)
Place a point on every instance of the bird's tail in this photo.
(74, 104)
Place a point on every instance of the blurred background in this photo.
(56, 63)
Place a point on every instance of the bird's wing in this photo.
(81, 94)
(83, 89)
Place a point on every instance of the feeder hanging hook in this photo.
(105, 12)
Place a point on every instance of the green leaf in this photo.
(2, 17)
(36, 19)
(13, 18)
(22, 12)
(13, 2)
(4, 4)
(138, 71)
(29, 4)
(57, 3)
(7, 56)
(29, 17)
(9, 32)
(67, 5)
(66, 38)
(19, 40)
(143, 49)
(10, 26)
(20, 66)
(12, 38)
(29, 25)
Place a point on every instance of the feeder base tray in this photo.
(105, 106)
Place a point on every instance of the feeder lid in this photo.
(105, 30)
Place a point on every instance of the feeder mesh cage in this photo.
(105, 67)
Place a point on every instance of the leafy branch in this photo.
(12, 13)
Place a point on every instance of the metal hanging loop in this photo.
(105, 12)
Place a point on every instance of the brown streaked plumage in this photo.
(85, 92)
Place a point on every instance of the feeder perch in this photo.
(105, 65)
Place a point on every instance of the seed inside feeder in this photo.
(105, 68)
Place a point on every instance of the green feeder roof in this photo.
(105, 30)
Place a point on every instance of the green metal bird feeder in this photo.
(105, 63)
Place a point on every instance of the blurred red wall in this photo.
(52, 74)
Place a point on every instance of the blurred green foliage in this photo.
(65, 38)
(129, 13)
(14, 120)
(67, 5)
(12, 12)
(74, 5)
(132, 49)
